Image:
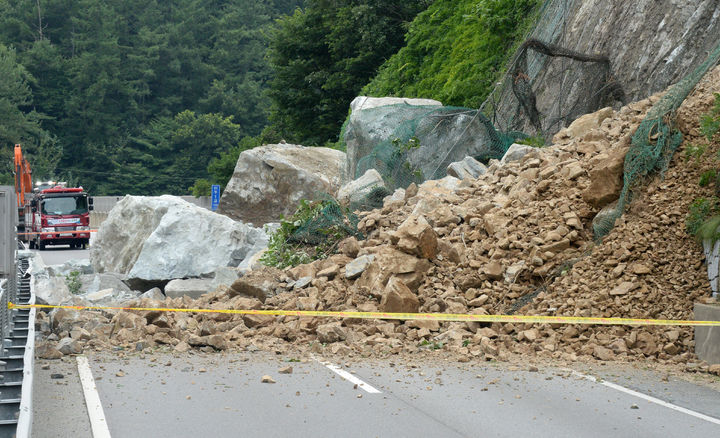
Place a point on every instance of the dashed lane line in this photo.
(92, 400)
(349, 377)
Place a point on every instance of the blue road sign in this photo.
(214, 197)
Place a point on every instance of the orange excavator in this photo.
(23, 185)
(50, 213)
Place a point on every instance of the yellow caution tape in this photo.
(404, 316)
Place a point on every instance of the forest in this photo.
(151, 97)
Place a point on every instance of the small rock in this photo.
(267, 379)
(286, 370)
(120, 373)
(57, 376)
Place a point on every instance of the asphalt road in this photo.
(218, 394)
(57, 255)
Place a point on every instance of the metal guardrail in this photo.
(16, 326)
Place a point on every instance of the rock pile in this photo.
(517, 239)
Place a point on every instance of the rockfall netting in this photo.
(427, 139)
(654, 142)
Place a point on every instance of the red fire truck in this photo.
(51, 214)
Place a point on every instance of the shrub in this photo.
(72, 280)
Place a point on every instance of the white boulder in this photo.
(165, 237)
(269, 181)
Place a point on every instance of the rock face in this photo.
(650, 44)
(164, 238)
(356, 190)
(363, 133)
(269, 181)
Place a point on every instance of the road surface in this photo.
(221, 394)
(57, 255)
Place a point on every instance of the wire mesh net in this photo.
(427, 140)
(654, 142)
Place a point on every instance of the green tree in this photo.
(18, 123)
(323, 55)
(455, 51)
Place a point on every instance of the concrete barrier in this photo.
(707, 339)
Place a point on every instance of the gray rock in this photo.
(96, 282)
(50, 290)
(192, 287)
(164, 238)
(712, 258)
(516, 152)
(69, 346)
(153, 294)
(82, 266)
(302, 282)
(356, 190)
(469, 167)
(358, 266)
(373, 120)
(100, 295)
(269, 181)
(225, 276)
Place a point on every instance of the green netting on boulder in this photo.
(328, 224)
(423, 141)
(654, 142)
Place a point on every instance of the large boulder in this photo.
(269, 181)
(164, 238)
(374, 119)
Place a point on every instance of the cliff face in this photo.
(649, 44)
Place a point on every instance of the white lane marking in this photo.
(347, 376)
(92, 400)
(649, 398)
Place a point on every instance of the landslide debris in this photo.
(516, 239)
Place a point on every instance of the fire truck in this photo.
(50, 213)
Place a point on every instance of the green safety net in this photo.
(425, 140)
(654, 142)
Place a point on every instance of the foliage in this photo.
(707, 177)
(710, 123)
(703, 220)
(72, 280)
(455, 51)
(18, 124)
(297, 241)
(323, 55)
(536, 141)
(701, 210)
(695, 151)
(103, 76)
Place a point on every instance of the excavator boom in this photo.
(23, 176)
